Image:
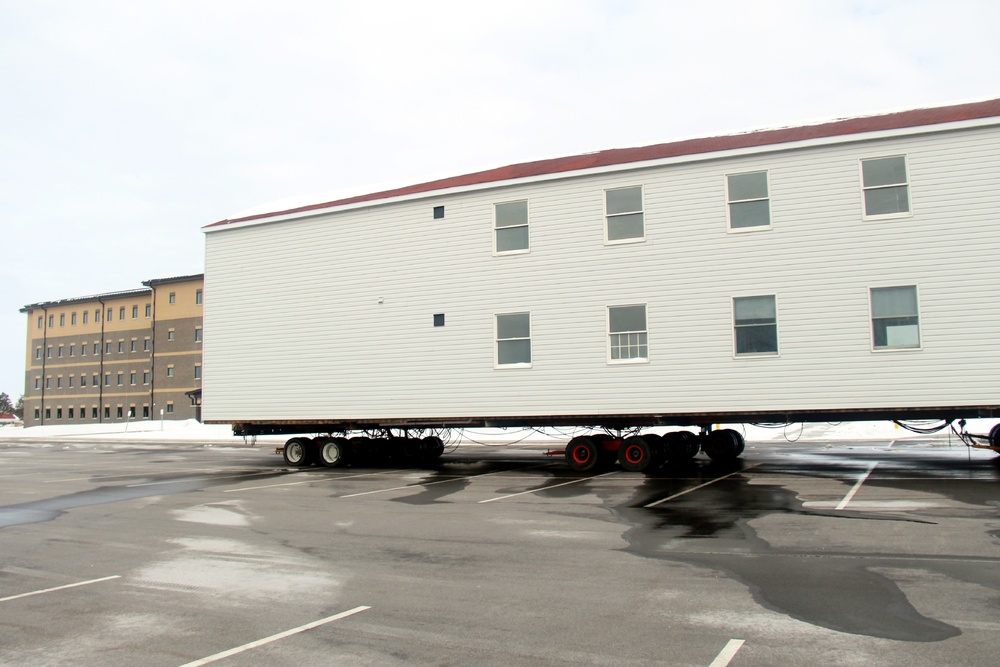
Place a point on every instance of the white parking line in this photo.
(546, 488)
(442, 481)
(728, 653)
(700, 486)
(854, 489)
(309, 481)
(60, 588)
(274, 638)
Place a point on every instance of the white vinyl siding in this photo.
(885, 187)
(339, 354)
(624, 215)
(511, 227)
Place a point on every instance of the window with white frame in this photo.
(624, 215)
(895, 318)
(513, 335)
(197, 334)
(748, 200)
(755, 325)
(197, 371)
(511, 226)
(885, 187)
(627, 335)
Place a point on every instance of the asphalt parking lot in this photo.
(815, 553)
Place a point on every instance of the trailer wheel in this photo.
(332, 452)
(635, 454)
(722, 445)
(297, 452)
(582, 453)
(681, 446)
(655, 442)
(995, 438)
(433, 448)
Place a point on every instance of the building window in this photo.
(118, 412)
(145, 377)
(755, 325)
(107, 379)
(120, 379)
(134, 345)
(37, 414)
(59, 382)
(111, 314)
(145, 412)
(197, 334)
(885, 188)
(511, 226)
(170, 408)
(48, 383)
(513, 332)
(95, 380)
(198, 297)
(749, 204)
(131, 378)
(170, 371)
(83, 349)
(627, 334)
(70, 381)
(107, 347)
(438, 212)
(170, 334)
(97, 348)
(121, 313)
(38, 353)
(69, 413)
(62, 319)
(40, 321)
(83, 380)
(623, 209)
(48, 413)
(72, 350)
(145, 345)
(149, 310)
(85, 314)
(38, 383)
(131, 412)
(173, 297)
(72, 319)
(52, 321)
(135, 312)
(48, 352)
(121, 347)
(438, 319)
(895, 318)
(107, 412)
(58, 413)
(197, 372)
(93, 412)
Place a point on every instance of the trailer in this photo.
(844, 270)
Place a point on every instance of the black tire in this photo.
(361, 450)
(722, 446)
(659, 449)
(680, 446)
(433, 448)
(995, 438)
(298, 452)
(332, 452)
(635, 454)
(583, 453)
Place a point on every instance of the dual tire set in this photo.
(650, 451)
(333, 452)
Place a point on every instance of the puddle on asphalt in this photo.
(843, 594)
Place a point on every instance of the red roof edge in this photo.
(882, 122)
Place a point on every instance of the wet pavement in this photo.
(830, 553)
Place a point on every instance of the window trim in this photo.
(526, 225)
(607, 216)
(861, 182)
(777, 329)
(608, 334)
(496, 340)
(729, 203)
(871, 322)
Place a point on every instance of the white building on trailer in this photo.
(841, 270)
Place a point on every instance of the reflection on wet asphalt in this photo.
(843, 592)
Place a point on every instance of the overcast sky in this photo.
(127, 126)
